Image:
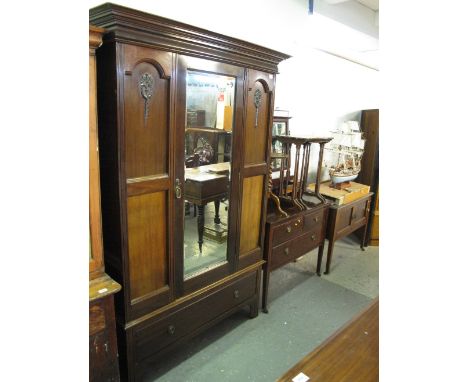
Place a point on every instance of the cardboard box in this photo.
(347, 195)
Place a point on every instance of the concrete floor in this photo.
(304, 310)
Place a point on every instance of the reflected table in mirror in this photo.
(203, 185)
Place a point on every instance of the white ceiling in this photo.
(349, 28)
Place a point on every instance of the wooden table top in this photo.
(208, 170)
(349, 355)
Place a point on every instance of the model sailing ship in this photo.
(345, 152)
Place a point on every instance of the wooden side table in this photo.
(343, 220)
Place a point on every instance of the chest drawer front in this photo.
(288, 230)
(152, 338)
(314, 220)
(292, 249)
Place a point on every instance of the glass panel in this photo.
(208, 137)
(279, 128)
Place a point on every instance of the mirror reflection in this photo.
(208, 140)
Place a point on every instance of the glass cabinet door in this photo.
(210, 101)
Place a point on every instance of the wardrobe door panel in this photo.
(147, 243)
(257, 122)
(251, 213)
(146, 112)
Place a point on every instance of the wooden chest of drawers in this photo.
(288, 238)
(344, 220)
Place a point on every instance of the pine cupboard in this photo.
(183, 229)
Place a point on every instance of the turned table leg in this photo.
(217, 220)
(201, 224)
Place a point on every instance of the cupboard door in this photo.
(147, 92)
(257, 142)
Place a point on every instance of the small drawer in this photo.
(314, 220)
(152, 337)
(287, 231)
(292, 249)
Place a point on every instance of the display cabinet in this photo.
(158, 79)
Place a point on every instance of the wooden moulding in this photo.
(95, 38)
(136, 27)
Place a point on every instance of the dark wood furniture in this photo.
(204, 185)
(349, 355)
(342, 221)
(288, 238)
(103, 363)
(300, 227)
(143, 67)
(369, 173)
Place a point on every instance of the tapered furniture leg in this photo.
(363, 240)
(364, 234)
(266, 280)
(331, 244)
(319, 258)
(253, 309)
(201, 224)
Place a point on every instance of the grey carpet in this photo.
(304, 310)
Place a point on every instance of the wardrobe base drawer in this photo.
(150, 338)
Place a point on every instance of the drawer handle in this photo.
(171, 329)
(288, 228)
(313, 237)
(236, 294)
(316, 219)
(286, 251)
(298, 222)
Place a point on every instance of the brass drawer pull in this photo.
(316, 219)
(313, 237)
(298, 222)
(171, 329)
(286, 251)
(236, 294)
(288, 228)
